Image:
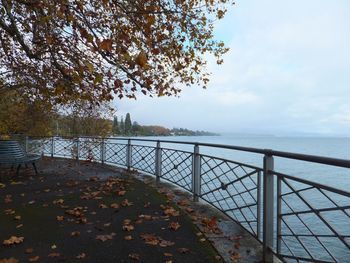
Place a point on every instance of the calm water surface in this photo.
(330, 147)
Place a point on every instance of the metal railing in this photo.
(295, 219)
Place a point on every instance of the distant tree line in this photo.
(129, 128)
(38, 119)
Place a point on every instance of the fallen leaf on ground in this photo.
(34, 259)
(104, 238)
(126, 221)
(211, 224)
(58, 202)
(128, 227)
(170, 211)
(174, 225)
(9, 260)
(166, 243)
(121, 193)
(150, 239)
(13, 240)
(235, 257)
(183, 202)
(54, 255)
(59, 218)
(9, 212)
(126, 203)
(134, 256)
(114, 205)
(146, 217)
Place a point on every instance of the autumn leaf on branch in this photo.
(100, 49)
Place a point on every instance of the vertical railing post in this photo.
(26, 144)
(158, 165)
(279, 210)
(52, 146)
(268, 199)
(196, 174)
(128, 155)
(78, 149)
(102, 150)
(258, 208)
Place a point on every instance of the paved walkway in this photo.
(83, 212)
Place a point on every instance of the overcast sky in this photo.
(288, 72)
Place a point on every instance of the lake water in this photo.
(329, 147)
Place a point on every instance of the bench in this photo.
(11, 153)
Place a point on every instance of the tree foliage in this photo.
(128, 125)
(63, 50)
(84, 119)
(19, 115)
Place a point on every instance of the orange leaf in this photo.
(141, 59)
(174, 225)
(121, 193)
(128, 228)
(13, 240)
(59, 218)
(54, 255)
(9, 260)
(114, 205)
(106, 45)
(34, 259)
(104, 238)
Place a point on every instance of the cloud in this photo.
(287, 71)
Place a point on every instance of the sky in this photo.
(287, 73)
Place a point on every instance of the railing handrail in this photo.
(345, 163)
